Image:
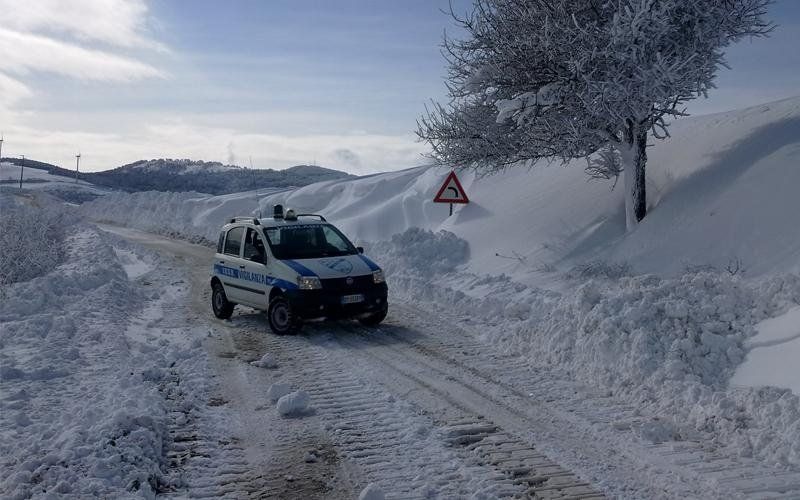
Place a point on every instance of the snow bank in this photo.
(191, 216)
(421, 250)
(84, 412)
(64, 427)
(669, 345)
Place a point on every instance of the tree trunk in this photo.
(635, 160)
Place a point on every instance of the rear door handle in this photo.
(241, 267)
(222, 262)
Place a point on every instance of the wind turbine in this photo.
(77, 165)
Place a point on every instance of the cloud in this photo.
(11, 91)
(22, 53)
(78, 39)
(115, 22)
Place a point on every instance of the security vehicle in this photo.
(294, 267)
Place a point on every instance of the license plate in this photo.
(352, 299)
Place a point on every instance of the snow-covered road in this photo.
(422, 408)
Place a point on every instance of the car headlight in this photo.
(377, 276)
(308, 283)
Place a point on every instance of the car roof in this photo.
(268, 223)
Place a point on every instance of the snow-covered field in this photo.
(690, 320)
(36, 179)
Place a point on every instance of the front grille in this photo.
(340, 284)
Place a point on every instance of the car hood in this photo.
(333, 267)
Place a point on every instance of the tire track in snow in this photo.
(464, 423)
(389, 441)
(202, 459)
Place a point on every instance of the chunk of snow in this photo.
(267, 361)
(294, 403)
(133, 265)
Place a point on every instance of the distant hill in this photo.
(191, 175)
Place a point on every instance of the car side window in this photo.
(221, 241)
(254, 246)
(233, 241)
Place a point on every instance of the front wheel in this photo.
(219, 302)
(374, 319)
(281, 318)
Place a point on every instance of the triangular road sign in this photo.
(451, 191)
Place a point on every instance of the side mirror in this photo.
(360, 249)
(258, 258)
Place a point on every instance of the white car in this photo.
(294, 267)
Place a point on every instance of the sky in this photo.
(267, 83)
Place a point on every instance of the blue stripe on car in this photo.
(263, 279)
(226, 271)
(280, 283)
(372, 266)
(299, 268)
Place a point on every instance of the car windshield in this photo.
(308, 241)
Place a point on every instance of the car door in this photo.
(254, 275)
(227, 265)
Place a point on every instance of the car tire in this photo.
(219, 302)
(374, 319)
(281, 318)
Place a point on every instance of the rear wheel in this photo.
(281, 318)
(219, 302)
(374, 319)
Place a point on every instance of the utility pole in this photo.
(77, 164)
(1, 146)
(22, 169)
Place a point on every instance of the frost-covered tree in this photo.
(570, 78)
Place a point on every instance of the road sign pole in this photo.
(451, 209)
